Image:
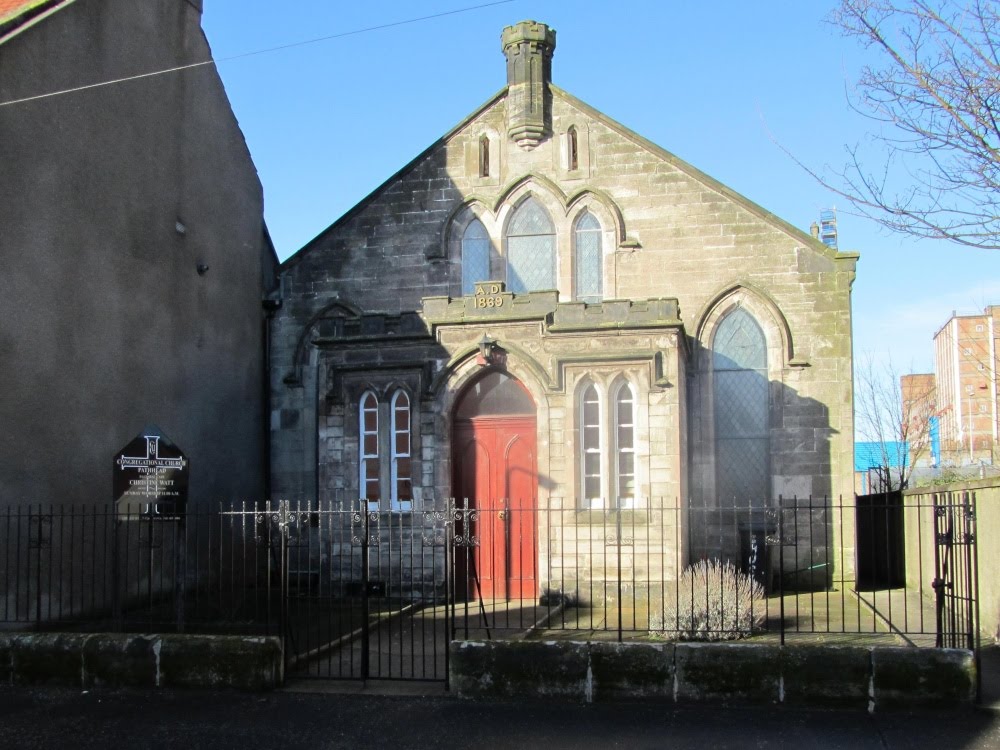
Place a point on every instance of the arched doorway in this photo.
(493, 465)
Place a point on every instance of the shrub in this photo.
(714, 602)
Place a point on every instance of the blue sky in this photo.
(718, 84)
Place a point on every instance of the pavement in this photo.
(989, 671)
(71, 718)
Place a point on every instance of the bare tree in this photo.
(897, 422)
(932, 167)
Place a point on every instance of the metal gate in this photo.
(956, 579)
(366, 593)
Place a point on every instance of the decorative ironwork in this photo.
(462, 540)
(434, 538)
(365, 527)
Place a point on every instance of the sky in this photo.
(729, 86)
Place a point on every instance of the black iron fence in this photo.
(93, 568)
(375, 593)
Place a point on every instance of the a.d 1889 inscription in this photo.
(151, 476)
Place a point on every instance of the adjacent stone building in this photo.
(546, 312)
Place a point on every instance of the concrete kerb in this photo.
(123, 660)
(830, 676)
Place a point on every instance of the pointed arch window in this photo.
(572, 149)
(368, 449)
(589, 259)
(475, 256)
(531, 249)
(484, 156)
(624, 454)
(742, 411)
(402, 467)
(591, 452)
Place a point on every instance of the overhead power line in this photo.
(264, 51)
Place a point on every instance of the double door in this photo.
(495, 476)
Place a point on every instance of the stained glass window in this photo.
(589, 259)
(741, 404)
(475, 256)
(531, 249)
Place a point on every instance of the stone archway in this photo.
(495, 473)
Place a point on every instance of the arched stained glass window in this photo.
(531, 249)
(475, 256)
(368, 452)
(589, 259)
(741, 406)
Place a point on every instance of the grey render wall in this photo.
(105, 323)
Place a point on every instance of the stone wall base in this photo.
(845, 676)
(116, 660)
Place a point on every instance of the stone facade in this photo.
(383, 302)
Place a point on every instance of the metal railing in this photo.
(93, 568)
(379, 593)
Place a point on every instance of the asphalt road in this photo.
(111, 719)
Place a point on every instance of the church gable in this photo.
(544, 240)
(651, 208)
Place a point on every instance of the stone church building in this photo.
(544, 310)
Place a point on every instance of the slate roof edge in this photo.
(410, 165)
(694, 172)
(710, 182)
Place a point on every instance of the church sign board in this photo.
(151, 476)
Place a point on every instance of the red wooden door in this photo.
(494, 470)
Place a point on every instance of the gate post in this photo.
(449, 585)
(366, 605)
(283, 565)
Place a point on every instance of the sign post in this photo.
(150, 481)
